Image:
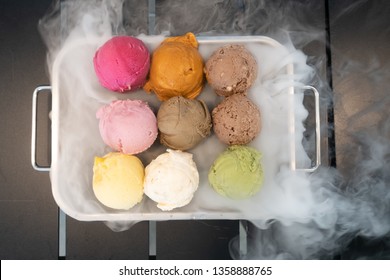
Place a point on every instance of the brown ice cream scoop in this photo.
(183, 123)
(231, 69)
(236, 120)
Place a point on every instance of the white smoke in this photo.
(303, 216)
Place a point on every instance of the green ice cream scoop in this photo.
(237, 173)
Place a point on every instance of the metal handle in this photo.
(317, 131)
(34, 129)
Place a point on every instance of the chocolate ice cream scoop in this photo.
(236, 120)
(183, 123)
(231, 69)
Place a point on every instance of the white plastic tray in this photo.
(76, 140)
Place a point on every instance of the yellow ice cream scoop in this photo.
(176, 68)
(118, 180)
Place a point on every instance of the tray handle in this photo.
(34, 163)
(317, 130)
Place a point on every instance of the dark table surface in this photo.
(359, 60)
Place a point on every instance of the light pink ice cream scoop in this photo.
(122, 63)
(127, 126)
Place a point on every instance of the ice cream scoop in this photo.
(127, 126)
(183, 123)
(122, 63)
(236, 120)
(118, 180)
(231, 69)
(237, 173)
(176, 68)
(171, 179)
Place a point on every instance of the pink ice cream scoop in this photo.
(127, 126)
(122, 63)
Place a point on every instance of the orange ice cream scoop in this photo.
(176, 68)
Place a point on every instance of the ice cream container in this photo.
(77, 95)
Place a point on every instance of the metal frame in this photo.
(152, 224)
(34, 163)
(36, 166)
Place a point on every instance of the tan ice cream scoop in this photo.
(183, 123)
